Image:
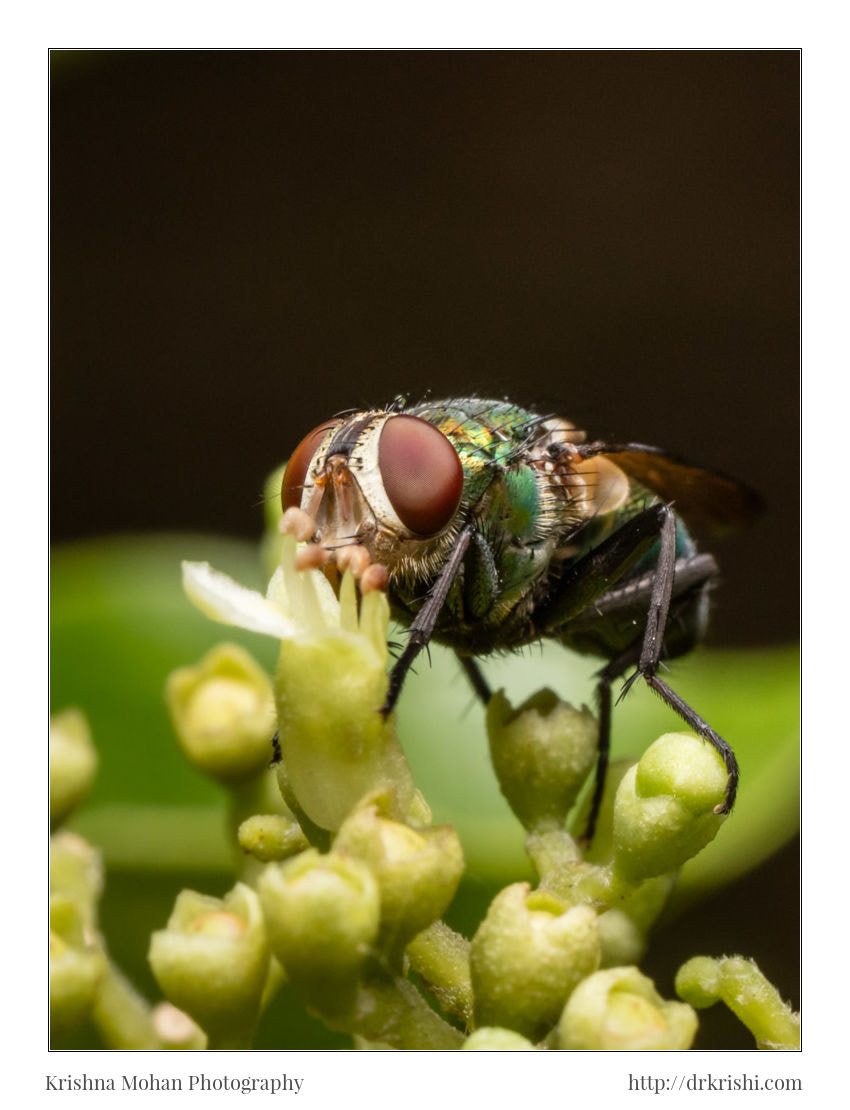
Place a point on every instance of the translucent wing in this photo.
(705, 498)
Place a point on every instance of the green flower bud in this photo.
(322, 914)
(331, 683)
(223, 713)
(417, 871)
(490, 1039)
(212, 961)
(527, 956)
(336, 746)
(542, 753)
(73, 763)
(271, 836)
(77, 967)
(739, 983)
(664, 807)
(76, 872)
(621, 1009)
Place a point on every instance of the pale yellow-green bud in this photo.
(223, 713)
(739, 983)
(77, 967)
(322, 914)
(664, 807)
(542, 752)
(76, 873)
(527, 956)
(73, 763)
(493, 1039)
(330, 684)
(271, 837)
(336, 745)
(619, 1008)
(417, 871)
(212, 960)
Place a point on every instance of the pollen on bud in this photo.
(223, 713)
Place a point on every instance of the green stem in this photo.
(557, 859)
(441, 957)
(392, 1012)
(122, 1016)
(739, 983)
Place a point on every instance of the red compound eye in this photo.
(421, 472)
(299, 464)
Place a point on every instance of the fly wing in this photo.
(705, 498)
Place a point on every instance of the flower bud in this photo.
(417, 871)
(73, 763)
(212, 960)
(491, 1038)
(664, 807)
(330, 684)
(542, 753)
(621, 1009)
(76, 873)
(77, 967)
(336, 745)
(527, 956)
(739, 983)
(322, 914)
(223, 713)
(271, 836)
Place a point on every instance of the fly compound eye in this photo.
(421, 474)
(299, 464)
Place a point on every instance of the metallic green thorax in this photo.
(532, 522)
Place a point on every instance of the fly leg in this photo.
(606, 677)
(650, 656)
(423, 624)
(476, 678)
(600, 588)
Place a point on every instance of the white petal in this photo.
(325, 596)
(219, 597)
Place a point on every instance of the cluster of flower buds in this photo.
(351, 878)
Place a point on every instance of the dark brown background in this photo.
(245, 242)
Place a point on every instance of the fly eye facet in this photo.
(421, 474)
(298, 465)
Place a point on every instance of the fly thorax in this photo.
(574, 489)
